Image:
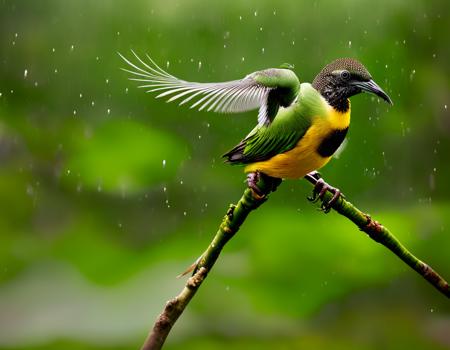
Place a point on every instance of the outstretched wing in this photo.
(266, 90)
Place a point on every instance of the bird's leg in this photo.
(320, 188)
(252, 183)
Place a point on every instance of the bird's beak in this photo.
(372, 87)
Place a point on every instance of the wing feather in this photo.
(224, 97)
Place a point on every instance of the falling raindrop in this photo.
(81, 95)
(92, 103)
(349, 44)
(164, 164)
(199, 65)
(108, 111)
(25, 73)
(243, 59)
(262, 50)
(256, 13)
(74, 112)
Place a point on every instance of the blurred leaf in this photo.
(125, 157)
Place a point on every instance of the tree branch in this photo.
(382, 235)
(231, 223)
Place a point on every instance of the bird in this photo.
(300, 125)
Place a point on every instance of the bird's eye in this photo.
(345, 74)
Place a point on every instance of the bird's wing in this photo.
(267, 90)
(283, 134)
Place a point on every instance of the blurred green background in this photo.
(106, 194)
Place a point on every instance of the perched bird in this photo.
(300, 125)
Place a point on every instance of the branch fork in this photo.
(259, 187)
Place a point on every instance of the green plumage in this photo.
(289, 126)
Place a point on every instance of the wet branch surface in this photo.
(231, 223)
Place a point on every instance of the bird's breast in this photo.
(312, 151)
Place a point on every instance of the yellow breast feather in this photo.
(303, 158)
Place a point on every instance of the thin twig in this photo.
(382, 235)
(231, 223)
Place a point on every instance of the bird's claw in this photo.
(252, 183)
(320, 188)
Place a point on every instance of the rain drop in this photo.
(262, 50)
(243, 59)
(256, 13)
(199, 65)
(164, 164)
(72, 47)
(108, 111)
(445, 106)
(349, 44)
(25, 73)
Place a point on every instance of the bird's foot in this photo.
(320, 188)
(252, 183)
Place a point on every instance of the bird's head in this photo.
(344, 78)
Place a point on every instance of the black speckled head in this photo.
(344, 78)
